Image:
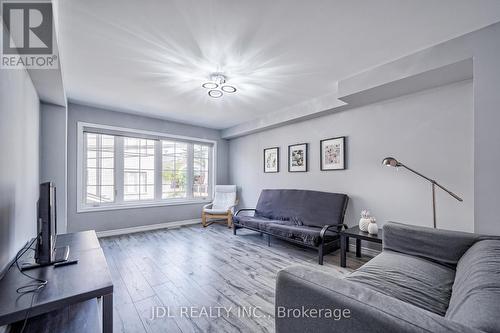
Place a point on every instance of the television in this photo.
(46, 252)
(47, 225)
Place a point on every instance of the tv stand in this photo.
(61, 255)
(67, 285)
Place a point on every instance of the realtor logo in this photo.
(27, 36)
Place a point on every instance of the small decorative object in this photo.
(364, 221)
(297, 158)
(271, 160)
(332, 152)
(373, 227)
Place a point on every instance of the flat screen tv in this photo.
(47, 225)
(46, 252)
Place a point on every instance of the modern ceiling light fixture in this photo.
(218, 86)
(215, 93)
(228, 89)
(209, 85)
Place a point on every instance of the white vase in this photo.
(363, 223)
(373, 228)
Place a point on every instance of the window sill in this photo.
(135, 205)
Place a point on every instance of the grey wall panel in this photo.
(19, 161)
(53, 155)
(487, 132)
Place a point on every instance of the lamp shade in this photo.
(390, 161)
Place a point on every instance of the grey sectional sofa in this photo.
(309, 218)
(425, 280)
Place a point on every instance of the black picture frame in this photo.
(306, 157)
(277, 159)
(343, 139)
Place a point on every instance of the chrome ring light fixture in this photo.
(217, 86)
(228, 89)
(209, 85)
(215, 93)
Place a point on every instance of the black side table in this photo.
(359, 235)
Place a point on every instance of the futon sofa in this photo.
(425, 280)
(309, 218)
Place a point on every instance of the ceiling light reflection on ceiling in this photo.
(217, 89)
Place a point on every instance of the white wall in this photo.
(431, 131)
(53, 155)
(19, 162)
(124, 218)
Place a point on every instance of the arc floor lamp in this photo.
(392, 162)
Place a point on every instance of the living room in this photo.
(182, 166)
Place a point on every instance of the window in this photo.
(139, 169)
(174, 169)
(121, 168)
(99, 168)
(200, 172)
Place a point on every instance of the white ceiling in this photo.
(151, 56)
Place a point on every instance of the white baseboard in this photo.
(364, 250)
(166, 225)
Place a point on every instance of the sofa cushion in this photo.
(225, 197)
(417, 281)
(303, 234)
(475, 299)
(251, 221)
(256, 222)
(443, 246)
(215, 211)
(302, 207)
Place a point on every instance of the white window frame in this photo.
(98, 128)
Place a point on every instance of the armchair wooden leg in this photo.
(229, 220)
(203, 219)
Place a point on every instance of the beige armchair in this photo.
(222, 207)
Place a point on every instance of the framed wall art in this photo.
(298, 157)
(332, 152)
(272, 160)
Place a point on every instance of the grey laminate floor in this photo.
(191, 276)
